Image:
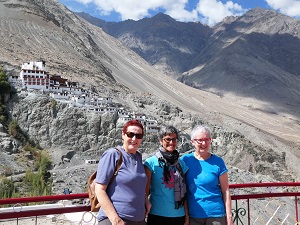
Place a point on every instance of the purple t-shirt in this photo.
(127, 191)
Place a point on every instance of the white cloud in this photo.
(213, 11)
(287, 7)
(207, 11)
(85, 1)
(130, 9)
(177, 11)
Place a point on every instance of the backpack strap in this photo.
(118, 166)
(139, 154)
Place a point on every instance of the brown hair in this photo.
(134, 122)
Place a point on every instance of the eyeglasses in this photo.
(200, 141)
(168, 140)
(131, 135)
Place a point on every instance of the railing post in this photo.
(248, 205)
(296, 206)
(237, 212)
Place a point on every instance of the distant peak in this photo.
(162, 16)
(259, 11)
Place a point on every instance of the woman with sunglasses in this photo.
(166, 182)
(123, 201)
(208, 195)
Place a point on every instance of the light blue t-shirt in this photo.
(203, 187)
(127, 190)
(162, 194)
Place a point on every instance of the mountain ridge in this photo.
(253, 56)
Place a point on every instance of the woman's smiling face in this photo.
(202, 142)
(169, 142)
(131, 144)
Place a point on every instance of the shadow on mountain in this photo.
(250, 67)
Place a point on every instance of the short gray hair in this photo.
(166, 130)
(200, 129)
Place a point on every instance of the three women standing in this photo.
(168, 179)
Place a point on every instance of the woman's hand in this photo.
(117, 221)
(187, 220)
(229, 221)
(107, 205)
(147, 205)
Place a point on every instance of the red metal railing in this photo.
(42, 212)
(247, 197)
(86, 208)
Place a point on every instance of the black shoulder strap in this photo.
(139, 154)
(119, 163)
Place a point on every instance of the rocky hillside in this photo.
(30, 30)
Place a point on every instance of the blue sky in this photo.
(207, 12)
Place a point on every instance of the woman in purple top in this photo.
(124, 200)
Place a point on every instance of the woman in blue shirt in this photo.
(208, 195)
(166, 182)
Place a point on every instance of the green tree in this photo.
(4, 89)
(3, 117)
(39, 183)
(15, 131)
(7, 188)
(44, 161)
(4, 84)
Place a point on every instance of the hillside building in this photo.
(34, 77)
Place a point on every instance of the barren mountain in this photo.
(254, 56)
(45, 29)
(170, 46)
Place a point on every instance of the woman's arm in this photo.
(147, 191)
(147, 204)
(149, 175)
(226, 197)
(186, 210)
(107, 205)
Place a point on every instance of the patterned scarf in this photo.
(165, 160)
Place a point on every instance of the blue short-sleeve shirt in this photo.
(204, 193)
(162, 195)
